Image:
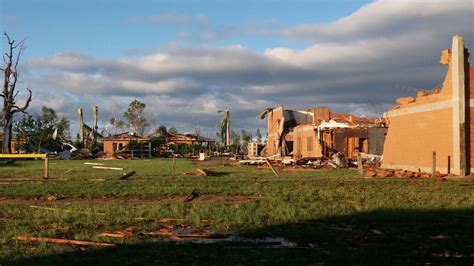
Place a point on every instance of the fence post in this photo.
(449, 165)
(433, 169)
(173, 166)
(359, 164)
(46, 167)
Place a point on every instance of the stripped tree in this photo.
(225, 126)
(9, 92)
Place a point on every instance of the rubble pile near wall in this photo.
(399, 173)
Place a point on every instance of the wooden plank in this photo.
(273, 169)
(19, 156)
(64, 241)
(108, 168)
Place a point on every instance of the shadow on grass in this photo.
(10, 163)
(377, 237)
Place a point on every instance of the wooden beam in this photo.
(273, 169)
(64, 241)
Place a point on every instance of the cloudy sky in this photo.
(188, 59)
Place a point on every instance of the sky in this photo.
(188, 59)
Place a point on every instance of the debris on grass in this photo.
(191, 196)
(376, 231)
(55, 209)
(178, 236)
(168, 220)
(112, 235)
(268, 242)
(128, 232)
(127, 175)
(63, 241)
(273, 169)
(55, 197)
(108, 168)
(200, 172)
(93, 163)
(259, 161)
(184, 232)
(347, 229)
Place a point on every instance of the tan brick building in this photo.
(435, 121)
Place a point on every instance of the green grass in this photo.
(333, 216)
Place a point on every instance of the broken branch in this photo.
(27, 104)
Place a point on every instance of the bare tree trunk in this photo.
(7, 132)
(9, 93)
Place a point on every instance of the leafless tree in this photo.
(9, 92)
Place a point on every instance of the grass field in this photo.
(329, 216)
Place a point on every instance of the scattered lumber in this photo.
(167, 220)
(273, 169)
(93, 163)
(167, 233)
(199, 172)
(112, 235)
(252, 162)
(108, 168)
(127, 175)
(64, 241)
(202, 172)
(128, 232)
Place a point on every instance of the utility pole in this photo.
(95, 111)
(227, 132)
(81, 125)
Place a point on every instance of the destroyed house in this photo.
(434, 129)
(317, 133)
(280, 123)
(120, 144)
(188, 139)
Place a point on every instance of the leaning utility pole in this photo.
(95, 111)
(227, 133)
(81, 125)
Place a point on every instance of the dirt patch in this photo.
(133, 200)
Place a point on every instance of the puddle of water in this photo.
(233, 239)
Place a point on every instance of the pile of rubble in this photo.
(370, 165)
(378, 172)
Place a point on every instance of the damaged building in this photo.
(436, 121)
(120, 144)
(317, 132)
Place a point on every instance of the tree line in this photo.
(47, 130)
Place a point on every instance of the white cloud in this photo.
(388, 18)
(199, 20)
(354, 62)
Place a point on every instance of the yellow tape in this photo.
(17, 156)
